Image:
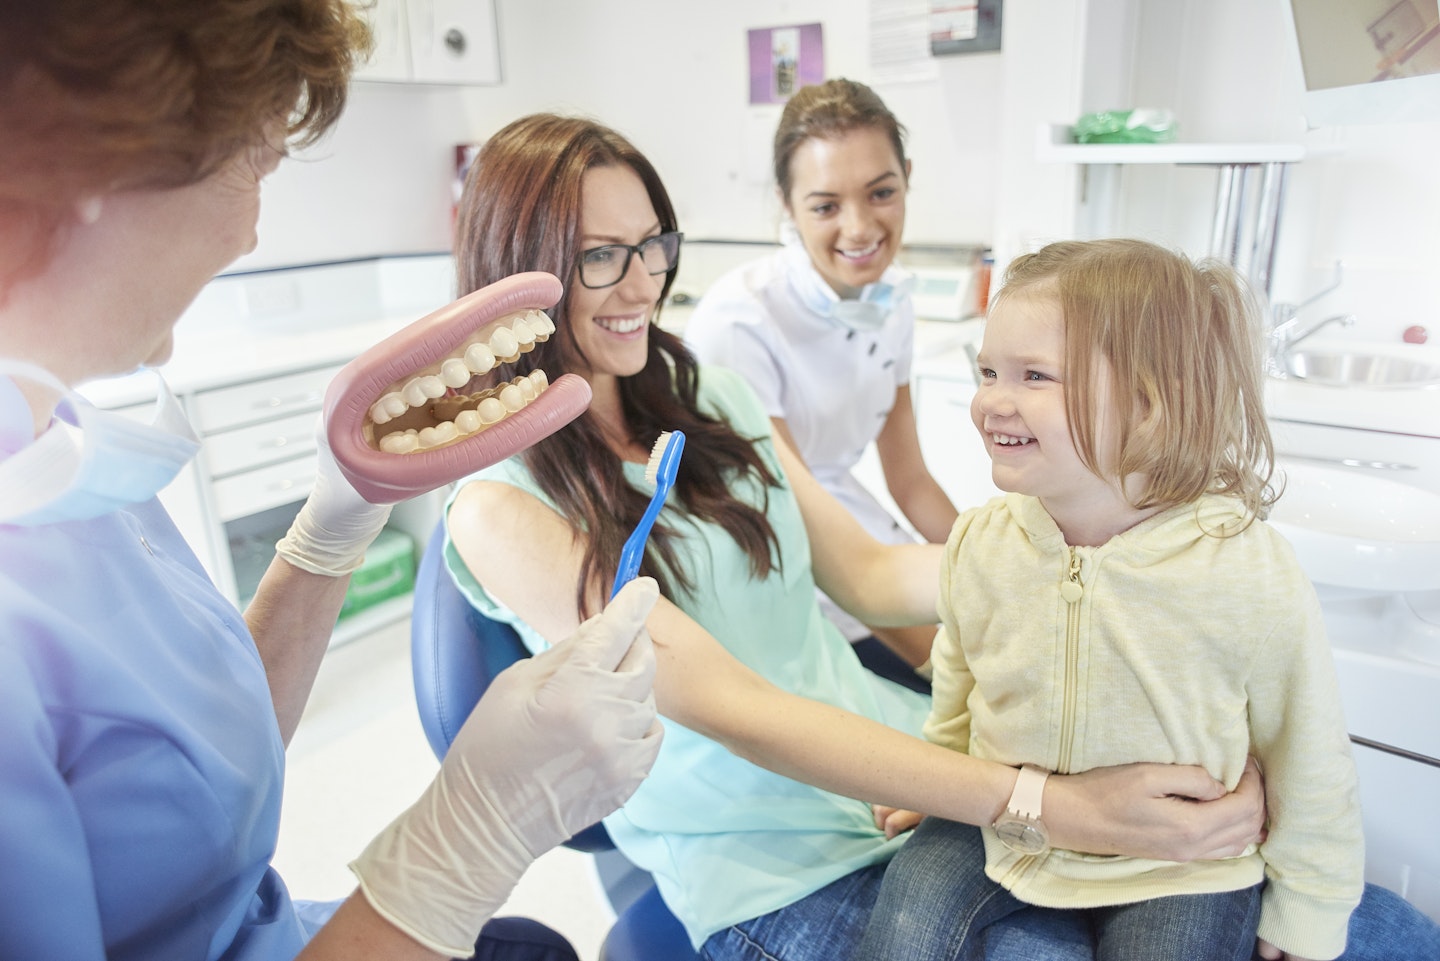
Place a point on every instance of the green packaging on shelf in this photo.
(1125, 126)
(388, 571)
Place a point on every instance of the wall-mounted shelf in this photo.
(1246, 215)
(1056, 144)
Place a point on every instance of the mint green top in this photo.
(727, 840)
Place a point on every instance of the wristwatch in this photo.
(1020, 828)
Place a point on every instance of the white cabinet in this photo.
(433, 41)
(255, 468)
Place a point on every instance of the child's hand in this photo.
(1269, 952)
(894, 821)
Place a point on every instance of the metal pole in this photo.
(1267, 226)
(1229, 198)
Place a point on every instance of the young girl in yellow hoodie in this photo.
(1125, 601)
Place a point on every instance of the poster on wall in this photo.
(969, 26)
(784, 59)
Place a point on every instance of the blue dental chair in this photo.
(455, 652)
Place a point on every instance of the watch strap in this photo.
(1029, 789)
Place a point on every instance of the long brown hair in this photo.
(1182, 342)
(828, 111)
(521, 211)
(131, 94)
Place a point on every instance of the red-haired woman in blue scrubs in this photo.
(143, 720)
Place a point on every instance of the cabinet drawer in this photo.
(259, 490)
(283, 439)
(262, 399)
(953, 449)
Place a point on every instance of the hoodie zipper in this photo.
(1071, 591)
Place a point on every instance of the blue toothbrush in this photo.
(660, 471)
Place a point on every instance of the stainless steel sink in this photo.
(1345, 369)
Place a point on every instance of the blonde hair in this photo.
(1182, 342)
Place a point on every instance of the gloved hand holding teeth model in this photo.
(335, 524)
(145, 719)
(558, 741)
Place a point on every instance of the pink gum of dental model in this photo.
(383, 478)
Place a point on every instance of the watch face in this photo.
(1021, 835)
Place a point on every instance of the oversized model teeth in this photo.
(457, 417)
(1006, 440)
(506, 344)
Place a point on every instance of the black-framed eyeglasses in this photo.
(606, 266)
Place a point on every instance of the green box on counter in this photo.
(388, 571)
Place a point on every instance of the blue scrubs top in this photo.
(140, 759)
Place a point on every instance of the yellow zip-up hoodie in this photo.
(1170, 645)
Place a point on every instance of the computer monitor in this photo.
(1368, 61)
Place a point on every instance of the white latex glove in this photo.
(335, 524)
(559, 741)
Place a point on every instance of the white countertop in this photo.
(939, 352)
(1414, 411)
(217, 350)
(232, 356)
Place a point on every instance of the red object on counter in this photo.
(1416, 335)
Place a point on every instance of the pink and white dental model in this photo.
(407, 416)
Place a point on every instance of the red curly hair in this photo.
(98, 96)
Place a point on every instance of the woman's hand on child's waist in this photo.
(1162, 811)
(895, 821)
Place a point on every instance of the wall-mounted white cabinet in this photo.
(433, 41)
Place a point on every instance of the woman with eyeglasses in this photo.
(824, 331)
(753, 820)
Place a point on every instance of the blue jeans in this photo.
(937, 902)
(521, 939)
(827, 926)
(1386, 927)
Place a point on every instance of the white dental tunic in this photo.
(833, 386)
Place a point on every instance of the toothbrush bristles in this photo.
(652, 466)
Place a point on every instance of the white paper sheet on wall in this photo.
(900, 42)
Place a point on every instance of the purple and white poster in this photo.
(784, 59)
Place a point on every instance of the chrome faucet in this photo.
(1285, 329)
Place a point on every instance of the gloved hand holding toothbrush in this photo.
(558, 741)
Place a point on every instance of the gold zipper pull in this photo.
(1071, 590)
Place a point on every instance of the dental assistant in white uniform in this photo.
(823, 329)
(143, 720)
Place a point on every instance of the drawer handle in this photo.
(309, 397)
(286, 484)
(283, 441)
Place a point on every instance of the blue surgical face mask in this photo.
(90, 461)
(869, 311)
(865, 313)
